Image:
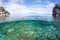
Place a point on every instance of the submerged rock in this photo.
(56, 10)
(3, 13)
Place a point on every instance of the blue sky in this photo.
(25, 7)
(31, 2)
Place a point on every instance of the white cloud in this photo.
(43, 9)
(19, 10)
(0, 2)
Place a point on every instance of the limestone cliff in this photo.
(3, 12)
(56, 10)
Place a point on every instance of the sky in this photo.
(29, 7)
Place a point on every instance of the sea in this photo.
(30, 27)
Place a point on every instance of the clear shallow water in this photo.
(28, 17)
(24, 29)
(31, 28)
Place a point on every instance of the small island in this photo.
(3, 13)
(56, 10)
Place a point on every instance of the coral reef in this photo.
(30, 30)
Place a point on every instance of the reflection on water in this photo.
(46, 17)
(28, 17)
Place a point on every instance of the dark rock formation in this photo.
(56, 10)
(3, 12)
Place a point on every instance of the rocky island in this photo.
(3, 13)
(56, 10)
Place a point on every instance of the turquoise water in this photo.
(40, 29)
(44, 28)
